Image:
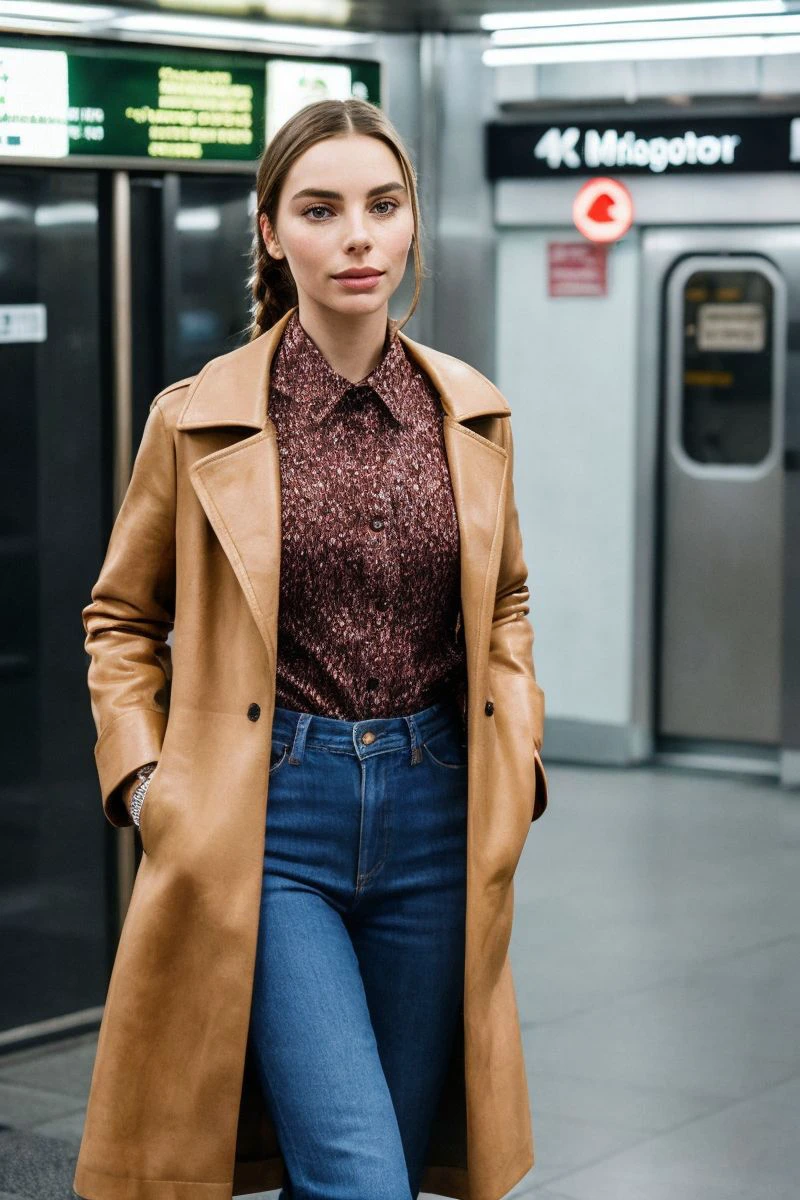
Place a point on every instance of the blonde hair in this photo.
(271, 284)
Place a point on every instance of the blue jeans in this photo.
(359, 977)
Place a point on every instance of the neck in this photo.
(352, 344)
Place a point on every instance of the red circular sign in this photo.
(603, 210)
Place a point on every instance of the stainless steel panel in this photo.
(722, 533)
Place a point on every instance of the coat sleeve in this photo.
(129, 618)
(511, 645)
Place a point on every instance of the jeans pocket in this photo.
(279, 753)
(447, 748)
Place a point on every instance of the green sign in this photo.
(155, 103)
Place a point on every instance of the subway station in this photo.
(456, 483)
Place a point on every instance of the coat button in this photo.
(489, 709)
(254, 712)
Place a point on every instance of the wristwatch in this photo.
(140, 791)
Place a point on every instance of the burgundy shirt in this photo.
(369, 621)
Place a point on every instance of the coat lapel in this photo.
(238, 484)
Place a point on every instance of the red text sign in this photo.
(576, 269)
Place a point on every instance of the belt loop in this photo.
(416, 749)
(299, 742)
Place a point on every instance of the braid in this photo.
(271, 286)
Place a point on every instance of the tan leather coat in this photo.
(175, 1112)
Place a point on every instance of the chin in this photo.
(365, 302)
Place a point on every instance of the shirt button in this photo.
(489, 708)
(372, 683)
(380, 605)
(254, 712)
(376, 522)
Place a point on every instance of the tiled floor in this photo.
(656, 951)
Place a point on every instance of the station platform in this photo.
(656, 953)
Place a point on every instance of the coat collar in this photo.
(233, 389)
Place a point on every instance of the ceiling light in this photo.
(640, 12)
(260, 31)
(630, 31)
(624, 51)
(54, 12)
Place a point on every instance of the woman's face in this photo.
(343, 205)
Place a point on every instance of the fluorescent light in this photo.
(260, 31)
(12, 210)
(71, 212)
(335, 11)
(54, 12)
(640, 12)
(623, 51)
(197, 220)
(704, 28)
(35, 25)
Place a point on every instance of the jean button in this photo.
(368, 737)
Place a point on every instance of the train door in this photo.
(53, 367)
(727, 300)
(111, 286)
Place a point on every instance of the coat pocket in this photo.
(540, 795)
(518, 708)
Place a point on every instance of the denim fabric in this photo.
(360, 965)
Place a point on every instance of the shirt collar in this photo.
(301, 371)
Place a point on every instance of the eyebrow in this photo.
(327, 195)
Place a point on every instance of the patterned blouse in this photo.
(369, 620)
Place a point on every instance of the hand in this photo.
(130, 783)
(128, 786)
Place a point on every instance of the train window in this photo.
(728, 365)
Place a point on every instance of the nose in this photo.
(358, 235)
(359, 244)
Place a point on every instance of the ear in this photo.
(270, 241)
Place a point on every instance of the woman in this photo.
(312, 988)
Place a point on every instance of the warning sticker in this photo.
(23, 323)
(741, 327)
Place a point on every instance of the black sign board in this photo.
(672, 146)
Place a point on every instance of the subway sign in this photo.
(647, 147)
(79, 101)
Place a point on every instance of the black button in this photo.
(380, 605)
(376, 522)
(254, 712)
(372, 683)
(489, 709)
